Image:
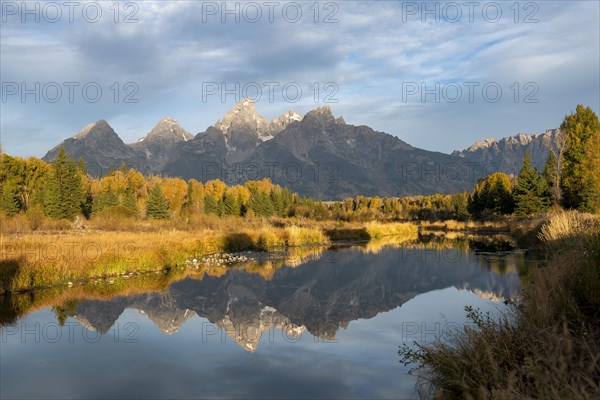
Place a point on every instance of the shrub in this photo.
(566, 225)
(297, 236)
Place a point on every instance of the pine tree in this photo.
(287, 201)
(256, 203)
(105, 200)
(230, 204)
(491, 195)
(157, 206)
(591, 176)
(243, 207)
(9, 204)
(130, 201)
(460, 206)
(579, 128)
(88, 199)
(268, 206)
(72, 193)
(261, 204)
(552, 178)
(276, 198)
(210, 205)
(52, 198)
(64, 195)
(531, 191)
(189, 197)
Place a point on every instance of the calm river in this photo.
(328, 325)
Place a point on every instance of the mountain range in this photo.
(317, 154)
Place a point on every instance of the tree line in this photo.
(64, 189)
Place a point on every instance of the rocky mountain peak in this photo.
(522, 138)
(244, 112)
(167, 129)
(322, 115)
(99, 128)
(483, 144)
(282, 122)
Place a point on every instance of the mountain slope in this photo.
(320, 156)
(101, 149)
(507, 154)
(159, 145)
(326, 158)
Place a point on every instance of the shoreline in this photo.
(37, 260)
(40, 260)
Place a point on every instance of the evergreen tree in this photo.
(276, 199)
(460, 203)
(243, 207)
(189, 196)
(52, 198)
(157, 206)
(579, 128)
(130, 201)
(88, 200)
(256, 203)
(105, 200)
(64, 192)
(260, 203)
(552, 178)
(492, 195)
(268, 207)
(531, 191)
(230, 204)
(591, 176)
(210, 205)
(287, 201)
(9, 204)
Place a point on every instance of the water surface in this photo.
(327, 326)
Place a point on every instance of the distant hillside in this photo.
(507, 154)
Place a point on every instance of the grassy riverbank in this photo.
(37, 259)
(547, 346)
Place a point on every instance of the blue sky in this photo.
(373, 59)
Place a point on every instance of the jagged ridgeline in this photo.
(314, 155)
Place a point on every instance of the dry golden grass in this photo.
(299, 236)
(19, 304)
(378, 230)
(40, 259)
(564, 225)
(36, 251)
(453, 225)
(31, 222)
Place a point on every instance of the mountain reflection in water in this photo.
(318, 293)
